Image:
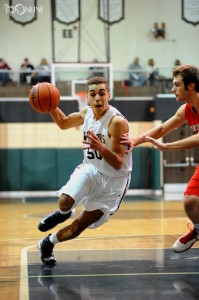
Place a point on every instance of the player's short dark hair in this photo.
(97, 80)
(189, 74)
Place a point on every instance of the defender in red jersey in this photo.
(186, 89)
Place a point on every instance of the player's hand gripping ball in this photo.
(44, 97)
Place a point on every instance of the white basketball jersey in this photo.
(100, 128)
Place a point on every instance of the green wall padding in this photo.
(10, 170)
(67, 161)
(39, 169)
(140, 177)
(50, 169)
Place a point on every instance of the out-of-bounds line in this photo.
(24, 290)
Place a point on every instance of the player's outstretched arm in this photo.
(157, 144)
(187, 143)
(157, 132)
(65, 122)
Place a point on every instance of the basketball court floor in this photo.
(129, 257)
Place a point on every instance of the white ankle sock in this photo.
(64, 212)
(53, 239)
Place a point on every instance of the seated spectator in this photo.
(4, 76)
(42, 74)
(96, 71)
(136, 76)
(177, 63)
(152, 72)
(27, 67)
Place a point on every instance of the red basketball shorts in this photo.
(193, 185)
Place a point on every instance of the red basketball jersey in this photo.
(192, 118)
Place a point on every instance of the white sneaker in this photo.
(185, 242)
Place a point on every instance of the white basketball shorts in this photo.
(95, 190)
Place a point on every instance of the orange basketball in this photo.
(43, 97)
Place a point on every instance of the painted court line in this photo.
(24, 289)
(119, 274)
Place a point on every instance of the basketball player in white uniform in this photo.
(101, 181)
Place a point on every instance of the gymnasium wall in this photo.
(36, 155)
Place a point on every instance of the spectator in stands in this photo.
(96, 71)
(152, 72)
(26, 70)
(4, 72)
(136, 75)
(177, 63)
(42, 73)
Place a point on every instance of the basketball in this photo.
(44, 97)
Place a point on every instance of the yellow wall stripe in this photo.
(48, 135)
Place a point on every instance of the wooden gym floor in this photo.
(129, 257)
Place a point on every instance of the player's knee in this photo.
(65, 202)
(191, 203)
